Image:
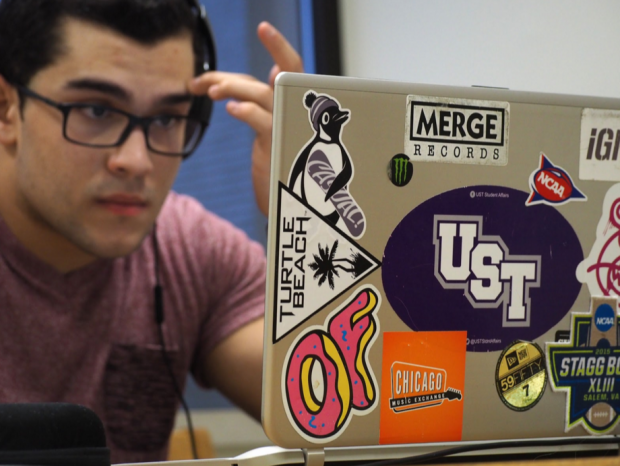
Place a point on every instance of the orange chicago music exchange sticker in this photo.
(422, 387)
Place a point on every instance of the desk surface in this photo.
(611, 461)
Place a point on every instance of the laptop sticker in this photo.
(327, 376)
(587, 368)
(477, 259)
(323, 170)
(521, 375)
(400, 170)
(422, 384)
(600, 270)
(315, 263)
(600, 143)
(440, 129)
(552, 185)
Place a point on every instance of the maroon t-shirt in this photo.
(90, 336)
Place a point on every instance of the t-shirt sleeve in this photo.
(228, 269)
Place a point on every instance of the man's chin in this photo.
(113, 249)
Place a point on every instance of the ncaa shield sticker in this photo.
(600, 143)
(423, 379)
(439, 129)
(587, 368)
(552, 185)
(478, 259)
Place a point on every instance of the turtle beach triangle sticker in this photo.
(315, 263)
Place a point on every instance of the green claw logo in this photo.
(401, 169)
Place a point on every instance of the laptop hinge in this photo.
(314, 456)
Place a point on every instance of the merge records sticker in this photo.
(521, 376)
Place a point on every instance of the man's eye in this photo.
(96, 112)
(166, 121)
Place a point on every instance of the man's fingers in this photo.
(253, 115)
(201, 84)
(283, 53)
(234, 86)
(275, 69)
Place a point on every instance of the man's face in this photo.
(103, 202)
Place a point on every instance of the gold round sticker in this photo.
(521, 375)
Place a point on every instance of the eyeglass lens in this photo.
(101, 126)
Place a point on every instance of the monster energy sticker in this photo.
(323, 170)
(400, 170)
(587, 368)
(315, 263)
(471, 132)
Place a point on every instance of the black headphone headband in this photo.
(204, 29)
(202, 106)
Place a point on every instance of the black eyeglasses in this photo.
(95, 125)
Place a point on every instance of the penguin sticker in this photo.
(323, 170)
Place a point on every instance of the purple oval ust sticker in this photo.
(477, 259)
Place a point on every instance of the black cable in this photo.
(492, 446)
(159, 319)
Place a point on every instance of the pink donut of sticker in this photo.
(352, 329)
(318, 416)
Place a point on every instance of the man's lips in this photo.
(123, 204)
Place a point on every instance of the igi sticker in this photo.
(552, 185)
(588, 368)
(521, 375)
(422, 382)
(327, 375)
(463, 131)
(600, 143)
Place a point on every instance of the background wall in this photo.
(562, 46)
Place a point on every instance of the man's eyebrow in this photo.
(117, 91)
(99, 86)
(173, 99)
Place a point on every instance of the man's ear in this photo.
(9, 113)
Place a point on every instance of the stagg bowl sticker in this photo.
(327, 377)
(322, 172)
(521, 375)
(600, 142)
(315, 263)
(587, 368)
(478, 259)
(423, 379)
(440, 129)
(552, 185)
(601, 269)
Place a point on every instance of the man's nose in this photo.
(132, 158)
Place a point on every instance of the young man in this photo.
(93, 100)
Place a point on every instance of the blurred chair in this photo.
(181, 446)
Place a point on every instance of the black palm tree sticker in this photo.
(325, 266)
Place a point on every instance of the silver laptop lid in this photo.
(441, 264)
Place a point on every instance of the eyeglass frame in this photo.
(134, 120)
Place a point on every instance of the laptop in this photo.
(443, 271)
(443, 265)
